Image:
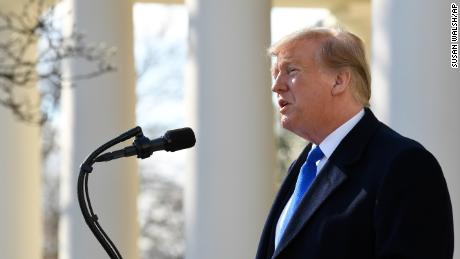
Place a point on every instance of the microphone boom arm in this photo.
(86, 168)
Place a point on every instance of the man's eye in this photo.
(290, 70)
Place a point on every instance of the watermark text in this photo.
(454, 35)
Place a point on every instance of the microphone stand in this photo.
(86, 168)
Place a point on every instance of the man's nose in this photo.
(279, 85)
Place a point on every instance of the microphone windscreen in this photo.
(178, 139)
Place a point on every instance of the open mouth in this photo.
(282, 103)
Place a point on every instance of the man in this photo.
(359, 190)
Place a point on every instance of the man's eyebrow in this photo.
(282, 63)
(287, 61)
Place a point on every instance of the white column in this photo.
(230, 185)
(415, 89)
(95, 111)
(20, 192)
(20, 178)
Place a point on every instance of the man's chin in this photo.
(285, 123)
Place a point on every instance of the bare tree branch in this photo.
(21, 68)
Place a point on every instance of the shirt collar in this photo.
(330, 143)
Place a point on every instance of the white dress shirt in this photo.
(328, 145)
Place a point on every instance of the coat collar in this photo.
(353, 145)
(333, 175)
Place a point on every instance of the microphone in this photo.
(143, 147)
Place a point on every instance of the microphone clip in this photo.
(139, 148)
(140, 143)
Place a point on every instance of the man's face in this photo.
(303, 89)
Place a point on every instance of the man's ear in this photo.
(342, 81)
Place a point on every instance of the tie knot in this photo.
(315, 155)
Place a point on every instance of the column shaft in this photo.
(415, 89)
(230, 186)
(20, 174)
(95, 111)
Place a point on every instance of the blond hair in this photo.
(338, 49)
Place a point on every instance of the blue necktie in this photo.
(304, 179)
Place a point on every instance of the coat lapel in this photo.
(327, 181)
(267, 244)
